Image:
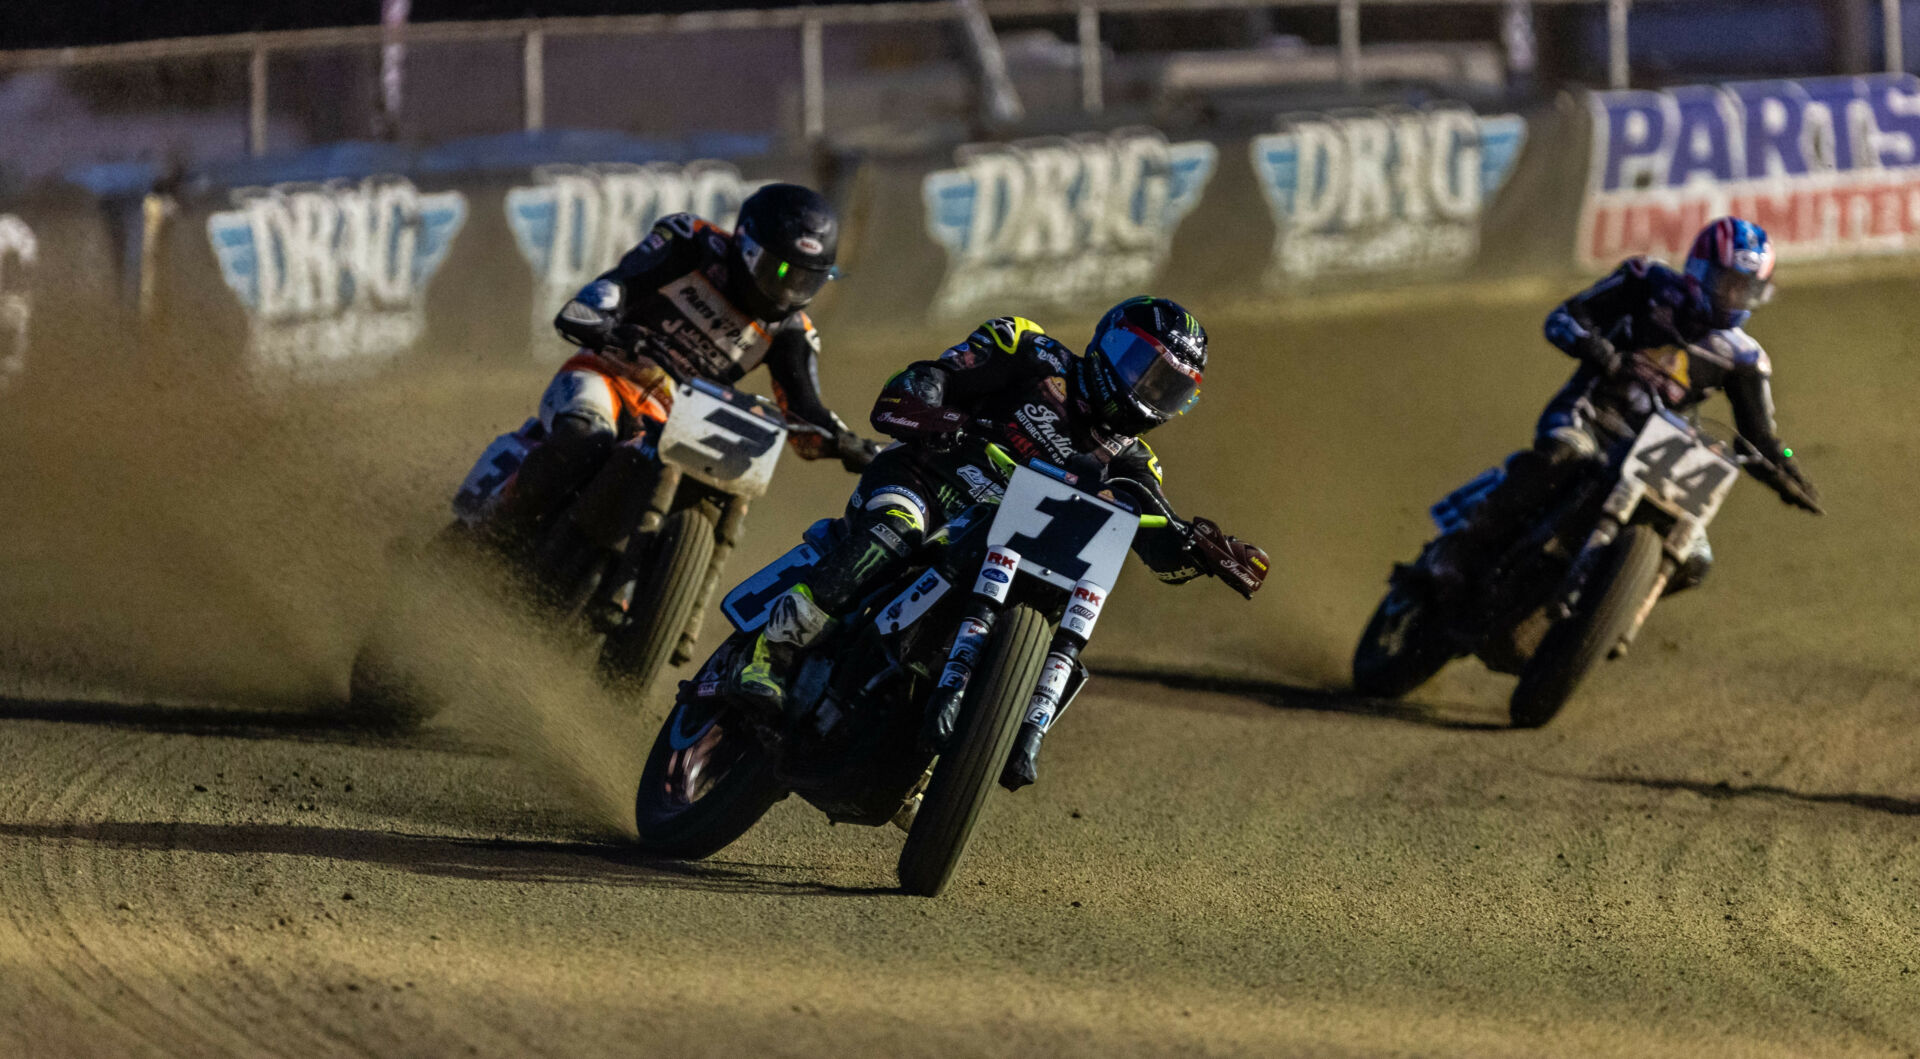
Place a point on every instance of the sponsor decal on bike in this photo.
(334, 272)
(1044, 707)
(19, 251)
(1382, 190)
(996, 574)
(1063, 221)
(574, 222)
(1830, 167)
(1083, 609)
(914, 603)
(981, 486)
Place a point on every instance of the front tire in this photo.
(663, 601)
(704, 785)
(989, 720)
(1401, 648)
(1574, 646)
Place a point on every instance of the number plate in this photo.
(747, 605)
(1063, 535)
(1680, 473)
(720, 438)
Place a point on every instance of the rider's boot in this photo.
(758, 682)
(1532, 477)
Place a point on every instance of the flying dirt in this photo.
(1712, 851)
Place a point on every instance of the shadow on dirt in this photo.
(1878, 803)
(501, 860)
(1285, 696)
(319, 723)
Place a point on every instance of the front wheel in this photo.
(705, 783)
(663, 601)
(1401, 648)
(962, 778)
(1624, 583)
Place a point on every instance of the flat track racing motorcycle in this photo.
(922, 695)
(713, 452)
(1576, 585)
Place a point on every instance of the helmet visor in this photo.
(786, 284)
(1149, 371)
(1736, 291)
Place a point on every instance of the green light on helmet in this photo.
(781, 271)
(1788, 453)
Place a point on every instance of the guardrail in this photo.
(810, 22)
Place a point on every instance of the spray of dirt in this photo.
(189, 537)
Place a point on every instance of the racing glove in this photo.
(1600, 353)
(1241, 565)
(915, 421)
(1791, 483)
(856, 453)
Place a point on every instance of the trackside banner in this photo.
(1829, 167)
(1370, 191)
(573, 222)
(1060, 221)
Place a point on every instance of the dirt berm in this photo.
(1713, 852)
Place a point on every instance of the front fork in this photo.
(969, 642)
(1061, 678)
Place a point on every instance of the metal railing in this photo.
(809, 22)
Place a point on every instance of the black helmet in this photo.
(786, 239)
(1143, 366)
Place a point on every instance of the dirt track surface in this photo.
(1714, 852)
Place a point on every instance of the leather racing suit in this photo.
(672, 308)
(1646, 308)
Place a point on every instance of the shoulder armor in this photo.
(1006, 332)
(1740, 348)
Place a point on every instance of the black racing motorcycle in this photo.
(922, 694)
(1575, 586)
(643, 604)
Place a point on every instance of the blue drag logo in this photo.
(1062, 221)
(1829, 167)
(334, 273)
(574, 222)
(1386, 190)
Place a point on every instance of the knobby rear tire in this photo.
(663, 602)
(963, 777)
(1577, 644)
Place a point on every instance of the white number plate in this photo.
(1063, 535)
(724, 443)
(1679, 472)
(750, 601)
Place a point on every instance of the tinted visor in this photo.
(1149, 372)
(1736, 291)
(787, 285)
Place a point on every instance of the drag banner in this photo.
(1829, 167)
(1062, 222)
(334, 275)
(1391, 190)
(573, 222)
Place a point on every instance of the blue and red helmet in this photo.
(1144, 364)
(1732, 260)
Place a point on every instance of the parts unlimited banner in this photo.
(1829, 167)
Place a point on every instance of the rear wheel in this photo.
(1617, 592)
(703, 786)
(965, 774)
(663, 601)
(1401, 648)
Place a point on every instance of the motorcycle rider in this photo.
(690, 301)
(1644, 326)
(1011, 384)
